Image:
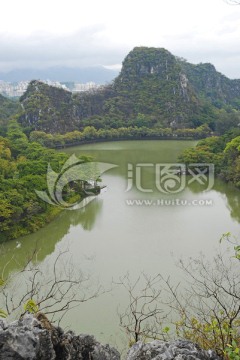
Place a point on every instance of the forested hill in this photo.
(154, 89)
(8, 108)
(212, 85)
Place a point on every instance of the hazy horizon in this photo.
(45, 34)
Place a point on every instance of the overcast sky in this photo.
(45, 33)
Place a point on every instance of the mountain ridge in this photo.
(154, 88)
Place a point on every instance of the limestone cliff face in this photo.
(47, 108)
(31, 339)
(153, 84)
(143, 61)
(211, 84)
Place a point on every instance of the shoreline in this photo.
(136, 138)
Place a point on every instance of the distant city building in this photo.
(13, 89)
(55, 84)
(78, 87)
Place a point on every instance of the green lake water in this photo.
(110, 237)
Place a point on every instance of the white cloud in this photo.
(41, 50)
(86, 33)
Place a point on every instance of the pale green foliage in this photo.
(208, 309)
(3, 314)
(228, 237)
(232, 351)
(166, 330)
(215, 333)
(31, 306)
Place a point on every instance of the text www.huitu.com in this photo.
(170, 202)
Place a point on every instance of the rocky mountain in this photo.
(48, 108)
(153, 89)
(152, 83)
(212, 85)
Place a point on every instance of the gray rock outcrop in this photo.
(31, 339)
(34, 338)
(161, 350)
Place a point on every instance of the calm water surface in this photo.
(109, 237)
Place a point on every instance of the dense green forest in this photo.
(222, 151)
(23, 169)
(8, 109)
(91, 134)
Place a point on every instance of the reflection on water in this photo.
(15, 253)
(232, 198)
(229, 194)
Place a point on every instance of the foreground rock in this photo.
(32, 339)
(161, 350)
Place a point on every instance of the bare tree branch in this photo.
(57, 290)
(209, 307)
(143, 316)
